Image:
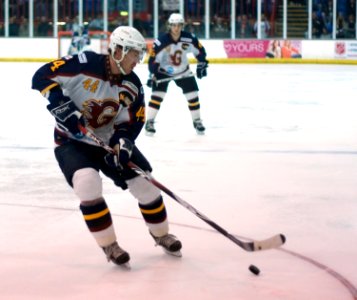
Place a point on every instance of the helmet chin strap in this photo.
(118, 61)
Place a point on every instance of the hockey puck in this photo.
(254, 270)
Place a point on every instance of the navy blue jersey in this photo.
(113, 106)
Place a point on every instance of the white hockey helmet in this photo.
(128, 38)
(176, 18)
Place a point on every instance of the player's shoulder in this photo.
(89, 56)
(188, 35)
(162, 40)
(83, 57)
(132, 82)
(86, 62)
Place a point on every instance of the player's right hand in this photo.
(121, 157)
(151, 80)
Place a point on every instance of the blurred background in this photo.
(208, 19)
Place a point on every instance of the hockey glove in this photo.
(122, 156)
(202, 69)
(151, 81)
(68, 117)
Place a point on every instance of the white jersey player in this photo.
(169, 61)
(102, 93)
(79, 43)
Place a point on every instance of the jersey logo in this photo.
(176, 58)
(100, 112)
(82, 58)
(185, 46)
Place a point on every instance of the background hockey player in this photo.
(79, 42)
(169, 59)
(102, 93)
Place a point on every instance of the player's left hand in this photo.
(202, 69)
(122, 156)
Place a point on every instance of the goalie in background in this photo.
(168, 59)
(80, 42)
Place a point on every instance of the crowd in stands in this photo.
(322, 19)
(220, 27)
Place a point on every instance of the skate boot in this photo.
(116, 254)
(197, 124)
(149, 127)
(169, 243)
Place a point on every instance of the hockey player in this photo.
(79, 43)
(168, 59)
(102, 93)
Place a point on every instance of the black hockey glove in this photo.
(202, 69)
(151, 81)
(122, 156)
(68, 117)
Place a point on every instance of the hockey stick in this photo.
(174, 78)
(270, 243)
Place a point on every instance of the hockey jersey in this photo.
(171, 57)
(113, 106)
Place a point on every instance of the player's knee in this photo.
(143, 190)
(191, 96)
(87, 184)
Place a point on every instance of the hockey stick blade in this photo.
(270, 243)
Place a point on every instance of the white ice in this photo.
(279, 156)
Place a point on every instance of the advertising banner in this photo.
(245, 48)
(262, 48)
(346, 49)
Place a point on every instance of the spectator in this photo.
(351, 27)
(97, 23)
(351, 8)
(44, 28)
(13, 27)
(318, 25)
(220, 28)
(243, 28)
(24, 27)
(264, 27)
(340, 27)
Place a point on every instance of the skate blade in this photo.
(125, 266)
(200, 132)
(173, 253)
(148, 133)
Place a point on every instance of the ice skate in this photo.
(117, 255)
(169, 243)
(197, 124)
(149, 127)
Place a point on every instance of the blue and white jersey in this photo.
(113, 106)
(171, 57)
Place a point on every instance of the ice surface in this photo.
(279, 155)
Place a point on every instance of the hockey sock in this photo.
(99, 223)
(155, 216)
